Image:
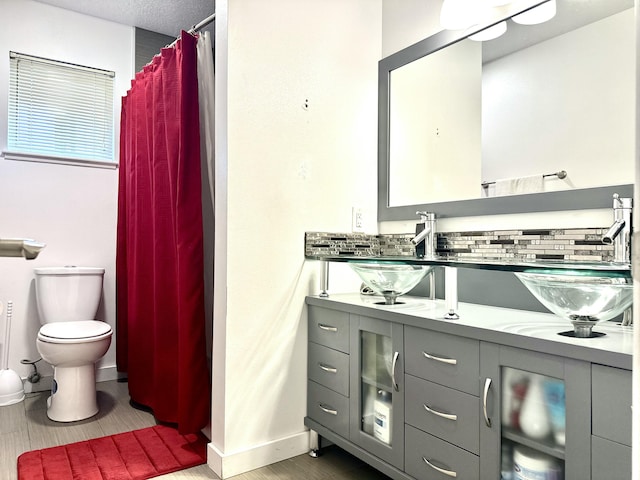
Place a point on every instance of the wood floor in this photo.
(25, 426)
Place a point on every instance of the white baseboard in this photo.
(227, 465)
(103, 374)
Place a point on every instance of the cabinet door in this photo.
(377, 388)
(535, 414)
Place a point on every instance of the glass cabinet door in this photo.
(378, 404)
(377, 359)
(533, 426)
(536, 415)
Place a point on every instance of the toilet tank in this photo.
(66, 294)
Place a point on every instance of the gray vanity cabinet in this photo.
(355, 388)
(499, 440)
(420, 403)
(611, 434)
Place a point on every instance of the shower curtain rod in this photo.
(195, 28)
(202, 24)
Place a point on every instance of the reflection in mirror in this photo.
(564, 104)
(434, 123)
(561, 100)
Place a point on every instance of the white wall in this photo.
(70, 208)
(290, 169)
(405, 22)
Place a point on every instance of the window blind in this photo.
(60, 109)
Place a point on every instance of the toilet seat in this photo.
(74, 332)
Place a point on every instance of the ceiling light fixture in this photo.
(490, 33)
(539, 14)
(497, 3)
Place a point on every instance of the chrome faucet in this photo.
(619, 234)
(425, 235)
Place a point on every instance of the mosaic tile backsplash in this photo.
(582, 244)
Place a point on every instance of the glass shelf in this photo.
(546, 447)
(549, 267)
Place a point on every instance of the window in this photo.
(60, 110)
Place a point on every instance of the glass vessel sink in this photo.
(582, 299)
(390, 280)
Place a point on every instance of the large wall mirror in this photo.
(459, 118)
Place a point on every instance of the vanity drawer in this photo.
(328, 408)
(442, 358)
(420, 446)
(329, 327)
(610, 460)
(611, 403)
(329, 367)
(453, 416)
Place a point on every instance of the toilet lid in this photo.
(70, 332)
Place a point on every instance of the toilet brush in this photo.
(11, 388)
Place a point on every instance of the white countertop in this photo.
(519, 328)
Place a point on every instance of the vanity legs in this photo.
(324, 279)
(314, 444)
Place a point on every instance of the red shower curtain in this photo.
(159, 265)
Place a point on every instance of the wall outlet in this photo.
(357, 219)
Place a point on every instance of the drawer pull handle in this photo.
(448, 416)
(328, 410)
(487, 386)
(449, 473)
(393, 371)
(327, 368)
(328, 328)
(448, 361)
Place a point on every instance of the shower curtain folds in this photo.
(159, 258)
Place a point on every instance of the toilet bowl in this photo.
(70, 339)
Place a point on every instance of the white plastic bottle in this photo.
(534, 418)
(382, 412)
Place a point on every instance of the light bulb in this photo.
(538, 14)
(490, 33)
(496, 3)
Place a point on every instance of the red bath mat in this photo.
(133, 455)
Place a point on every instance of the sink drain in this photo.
(572, 333)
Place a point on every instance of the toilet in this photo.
(70, 339)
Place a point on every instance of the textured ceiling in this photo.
(171, 16)
(162, 16)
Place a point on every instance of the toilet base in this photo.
(73, 394)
